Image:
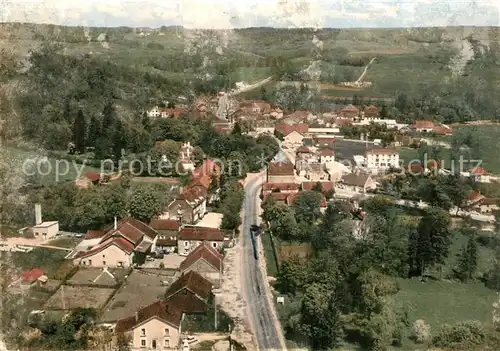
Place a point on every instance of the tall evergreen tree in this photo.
(94, 132)
(118, 139)
(108, 118)
(67, 111)
(433, 240)
(467, 260)
(79, 128)
(146, 122)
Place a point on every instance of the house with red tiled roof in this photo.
(325, 140)
(284, 188)
(474, 198)
(349, 111)
(480, 175)
(206, 261)
(327, 187)
(482, 204)
(168, 230)
(33, 276)
(285, 129)
(190, 237)
(423, 126)
(442, 130)
(281, 172)
(326, 155)
(371, 111)
(191, 293)
(172, 112)
(118, 245)
(154, 327)
(190, 206)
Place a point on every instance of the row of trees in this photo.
(79, 209)
(346, 291)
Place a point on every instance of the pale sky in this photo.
(253, 13)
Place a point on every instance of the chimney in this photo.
(136, 316)
(38, 214)
(116, 224)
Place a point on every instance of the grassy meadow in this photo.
(486, 148)
(41, 172)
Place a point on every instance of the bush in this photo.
(492, 278)
(461, 334)
(421, 331)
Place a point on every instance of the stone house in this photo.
(281, 172)
(154, 327)
(191, 237)
(357, 182)
(206, 261)
(191, 293)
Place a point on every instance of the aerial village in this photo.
(152, 281)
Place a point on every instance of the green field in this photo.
(41, 172)
(272, 268)
(424, 71)
(47, 259)
(439, 302)
(486, 148)
(251, 75)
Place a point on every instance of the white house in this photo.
(382, 158)
(155, 112)
(324, 130)
(44, 230)
(294, 138)
(190, 238)
(326, 156)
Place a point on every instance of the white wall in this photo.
(381, 161)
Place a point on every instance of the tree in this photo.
(109, 116)
(146, 122)
(123, 342)
(467, 260)
(164, 158)
(145, 204)
(320, 317)
(236, 129)
(119, 139)
(79, 128)
(293, 275)
(307, 206)
(318, 187)
(432, 240)
(94, 132)
(283, 223)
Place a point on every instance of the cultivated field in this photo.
(139, 290)
(71, 297)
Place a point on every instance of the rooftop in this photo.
(201, 234)
(193, 282)
(205, 252)
(160, 309)
(46, 224)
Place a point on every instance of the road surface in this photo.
(251, 87)
(364, 71)
(260, 311)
